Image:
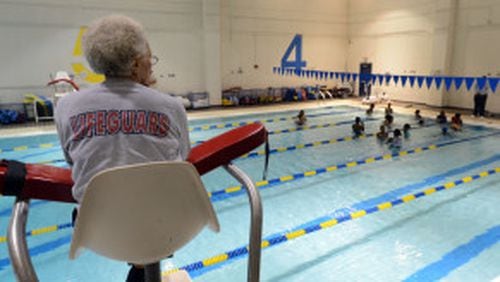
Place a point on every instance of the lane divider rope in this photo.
(329, 222)
(271, 120)
(223, 194)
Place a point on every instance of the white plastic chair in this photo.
(142, 213)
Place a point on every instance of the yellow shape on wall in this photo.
(79, 68)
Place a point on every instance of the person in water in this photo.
(358, 128)
(388, 109)
(442, 120)
(419, 118)
(301, 118)
(406, 130)
(382, 134)
(456, 122)
(370, 109)
(395, 142)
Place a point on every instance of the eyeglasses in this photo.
(154, 60)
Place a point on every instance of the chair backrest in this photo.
(142, 213)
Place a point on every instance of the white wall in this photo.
(477, 45)
(209, 45)
(446, 37)
(38, 38)
(258, 33)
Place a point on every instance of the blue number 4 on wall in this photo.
(296, 45)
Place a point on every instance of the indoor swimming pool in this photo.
(336, 208)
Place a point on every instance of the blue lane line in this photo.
(8, 211)
(426, 182)
(341, 215)
(396, 193)
(40, 249)
(457, 257)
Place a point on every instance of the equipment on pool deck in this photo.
(31, 181)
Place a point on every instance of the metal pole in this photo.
(18, 249)
(255, 221)
(152, 272)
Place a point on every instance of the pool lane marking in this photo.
(57, 145)
(316, 143)
(457, 257)
(326, 222)
(269, 241)
(270, 120)
(235, 191)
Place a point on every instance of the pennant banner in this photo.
(428, 81)
(412, 81)
(348, 76)
(481, 82)
(342, 76)
(468, 82)
(493, 82)
(354, 76)
(332, 74)
(388, 78)
(404, 78)
(396, 79)
(420, 81)
(458, 82)
(447, 82)
(380, 79)
(438, 80)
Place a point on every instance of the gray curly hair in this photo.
(111, 44)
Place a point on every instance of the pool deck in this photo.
(399, 107)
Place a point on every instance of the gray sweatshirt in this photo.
(119, 122)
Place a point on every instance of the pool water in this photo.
(335, 208)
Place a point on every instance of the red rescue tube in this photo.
(226, 147)
(54, 184)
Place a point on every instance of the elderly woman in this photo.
(121, 121)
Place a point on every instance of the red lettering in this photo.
(77, 125)
(100, 125)
(140, 122)
(89, 124)
(163, 126)
(113, 122)
(153, 123)
(128, 121)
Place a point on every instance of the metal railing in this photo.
(24, 270)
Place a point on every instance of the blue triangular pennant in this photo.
(493, 82)
(274, 69)
(320, 75)
(348, 76)
(481, 82)
(458, 82)
(447, 82)
(469, 81)
(332, 74)
(380, 79)
(412, 81)
(342, 76)
(354, 76)
(428, 81)
(420, 81)
(374, 79)
(396, 79)
(404, 78)
(337, 75)
(438, 80)
(388, 78)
